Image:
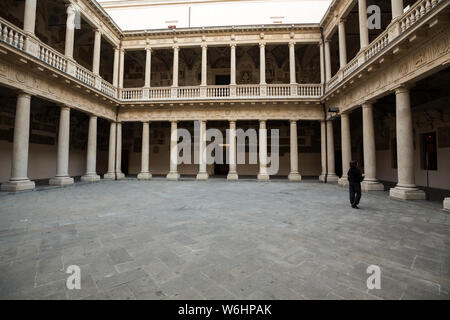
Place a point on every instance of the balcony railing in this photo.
(52, 57)
(417, 11)
(12, 35)
(243, 91)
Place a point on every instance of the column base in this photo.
(294, 176)
(232, 176)
(173, 176)
(120, 175)
(263, 177)
(202, 176)
(447, 204)
(343, 181)
(373, 185)
(90, 178)
(61, 181)
(406, 193)
(19, 185)
(109, 176)
(322, 177)
(144, 176)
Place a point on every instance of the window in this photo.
(428, 151)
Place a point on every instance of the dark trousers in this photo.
(355, 193)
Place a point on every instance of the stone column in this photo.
(331, 177)
(91, 158)
(145, 173)
(323, 156)
(232, 174)
(262, 63)
(111, 174)
(370, 182)
(233, 64)
(346, 148)
(406, 188)
(119, 173)
(62, 161)
(202, 173)
(327, 61)
(173, 173)
(363, 30)
(292, 62)
(397, 8)
(204, 64)
(121, 68)
(70, 31)
(97, 50)
(19, 166)
(342, 44)
(148, 67)
(29, 18)
(263, 175)
(322, 73)
(176, 50)
(116, 67)
(293, 174)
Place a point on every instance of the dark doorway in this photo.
(221, 169)
(338, 163)
(223, 79)
(125, 163)
(429, 154)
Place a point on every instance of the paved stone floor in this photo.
(220, 240)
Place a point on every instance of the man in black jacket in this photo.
(354, 179)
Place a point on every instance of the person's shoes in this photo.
(355, 206)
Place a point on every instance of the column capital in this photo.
(176, 47)
(232, 121)
(64, 107)
(342, 20)
(345, 114)
(293, 121)
(204, 46)
(292, 43)
(24, 94)
(98, 31)
(327, 41)
(233, 45)
(402, 88)
(147, 48)
(71, 9)
(367, 104)
(262, 44)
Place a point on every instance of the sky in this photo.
(219, 14)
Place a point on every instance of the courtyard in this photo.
(216, 239)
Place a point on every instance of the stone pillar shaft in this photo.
(342, 44)
(323, 156)
(62, 157)
(397, 8)
(173, 173)
(204, 65)
(121, 68)
(327, 61)
(363, 30)
(322, 73)
(293, 174)
(116, 67)
(148, 67)
(19, 166)
(111, 174)
(262, 63)
(29, 19)
(233, 65)
(330, 151)
(91, 155)
(263, 175)
(145, 173)
(406, 187)
(175, 66)
(292, 62)
(97, 50)
(119, 172)
(232, 174)
(202, 173)
(346, 147)
(370, 182)
(70, 32)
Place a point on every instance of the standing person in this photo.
(354, 178)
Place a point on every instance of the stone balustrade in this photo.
(12, 35)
